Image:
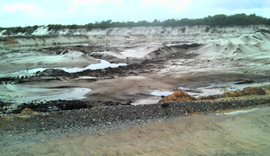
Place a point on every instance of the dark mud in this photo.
(107, 73)
(58, 105)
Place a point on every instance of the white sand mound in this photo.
(245, 53)
(41, 31)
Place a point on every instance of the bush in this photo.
(53, 43)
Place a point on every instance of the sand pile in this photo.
(178, 95)
(27, 112)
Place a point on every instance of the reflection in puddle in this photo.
(102, 65)
(160, 93)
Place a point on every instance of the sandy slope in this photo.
(234, 135)
(244, 54)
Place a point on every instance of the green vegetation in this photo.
(27, 30)
(59, 26)
(216, 20)
(220, 20)
(53, 43)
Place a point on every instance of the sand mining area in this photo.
(190, 90)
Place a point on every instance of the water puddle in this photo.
(216, 89)
(24, 93)
(193, 92)
(161, 93)
(27, 93)
(232, 86)
(155, 98)
(204, 91)
(102, 65)
(213, 89)
(209, 91)
(66, 94)
(151, 100)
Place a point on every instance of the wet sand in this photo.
(234, 135)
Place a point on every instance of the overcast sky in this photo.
(44, 12)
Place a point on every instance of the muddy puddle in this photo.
(21, 93)
(24, 93)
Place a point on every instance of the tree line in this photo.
(216, 20)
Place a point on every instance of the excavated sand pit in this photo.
(49, 91)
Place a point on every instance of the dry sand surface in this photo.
(234, 135)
